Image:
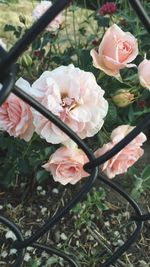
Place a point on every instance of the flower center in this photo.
(124, 50)
(67, 102)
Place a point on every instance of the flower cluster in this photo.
(76, 98)
(108, 9)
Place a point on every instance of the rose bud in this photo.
(122, 98)
(116, 51)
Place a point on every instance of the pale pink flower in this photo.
(121, 131)
(116, 50)
(40, 9)
(74, 96)
(144, 73)
(66, 165)
(16, 118)
(120, 163)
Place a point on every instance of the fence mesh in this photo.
(7, 78)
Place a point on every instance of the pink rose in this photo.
(16, 118)
(41, 9)
(144, 73)
(66, 165)
(74, 96)
(116, 50)
(120, 163)
(121, 131)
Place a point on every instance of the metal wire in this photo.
(56, 251)
(31, 34)
(19, 236)
(7, 77)
(7, 80)
(141, 12)
(139, 224)
(126, 140)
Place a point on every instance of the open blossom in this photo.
(66, 165)
(16, 118)
(40, 9)
(115, 51)
(144, 73)
(74, 96)
(120, 163)
(108, 8)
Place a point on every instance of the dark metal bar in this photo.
(126, 140)
(61, 213)
(51, 250)
(112, 259)
(142, 218)
(19, 237)
(53, 118)
(31, 34)
(7, 60)
(141, 12)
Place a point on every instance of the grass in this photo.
(9, 14)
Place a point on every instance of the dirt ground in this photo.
(91, 232)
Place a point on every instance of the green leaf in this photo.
(24, 166)
(52, 260)
(49, 150)
(131, 116)
(136, 193)
(146, 173)
(132, 171)
(41, 176)
(33, 263)
(9, 28)
(138, 187)
(36, 44)
(85, 59)
(112, 115)
(103, 21)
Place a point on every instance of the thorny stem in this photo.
(66, 29)
(75, 36)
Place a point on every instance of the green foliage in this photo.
(103, 21)
(24, 160)
(140, 182)
(9, 1)
(51, 261)
(84, 211)
(82, 31)
(33, 263)
(17, 31)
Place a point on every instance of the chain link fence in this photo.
(7, 78)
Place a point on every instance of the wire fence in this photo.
(7, 78)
